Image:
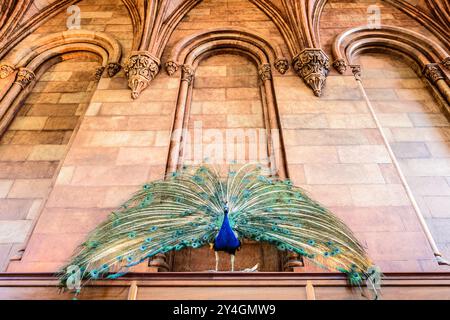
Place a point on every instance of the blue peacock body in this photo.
(226, 240)
(196, 206)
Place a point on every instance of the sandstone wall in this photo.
(333, 148)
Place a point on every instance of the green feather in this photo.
(186, 210)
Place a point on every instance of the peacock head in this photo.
(225, 208)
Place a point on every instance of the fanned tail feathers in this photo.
(186, 210)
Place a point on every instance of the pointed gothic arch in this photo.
(23, 68)
(190, 51)
(431, 60)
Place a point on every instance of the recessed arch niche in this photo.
(186, 57)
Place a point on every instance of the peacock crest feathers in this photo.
(186, 210)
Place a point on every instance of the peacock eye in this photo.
(94, 274)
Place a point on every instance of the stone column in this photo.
(23, 79)
(187, 77)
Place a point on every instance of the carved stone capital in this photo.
(265, 72)
(113, 68)
(24, 77)
(356, 70)
(433, 72)
(293, 260)
(340, 65)
(282, 65)
(141, 68)
(160, 261)
(188, 73)
(171, 67)
(6, 70)
(446, 62)
(312, 65)
(99, 72)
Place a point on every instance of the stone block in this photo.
(311, 154)
(144, 156)
(5, 186)
(47, 153)
(14, 152)
(30, 188)
(439, 206)
(379, 195)
(410, 150)
(14, 231)
(363, 154)
(91, 156)
(28, 123)
(343, 174)
(14, 209)
(109, 175)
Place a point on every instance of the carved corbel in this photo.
(141, 68)
(433, 73)
(446, 62)
(340, 65)
(293, 260)
(159, 261)
(188, 73)
(356, 70)
(265, 72)
(282, 65)
(6, 70)
(171, 67)
(113, 69)
(99, 72)
(24, 77)
(312, 65)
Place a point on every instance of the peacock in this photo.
(198, 205)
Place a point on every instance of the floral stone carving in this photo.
(312, 65)
(140, 69)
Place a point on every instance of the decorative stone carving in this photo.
(265, 72)
(99, 72)
(356, 70)
(113, 68)
(187, 74)
(171, 67)
(140, 69)
(433, 72)
(282, 65)
(446, 62)
(293, 261)
(313, 66)
(24, 77)
(160, 261)
(340, 65)
(6, 70)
